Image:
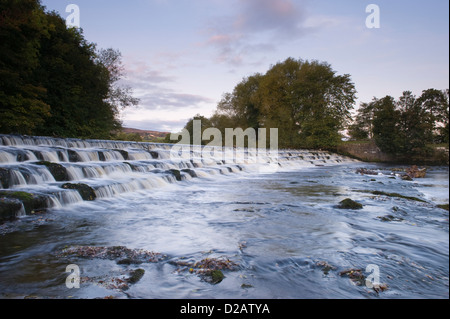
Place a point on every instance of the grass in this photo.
(23, 196)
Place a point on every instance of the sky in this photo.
(181, 56)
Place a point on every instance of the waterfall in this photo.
(70, 171)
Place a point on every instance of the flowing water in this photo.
(275, 218)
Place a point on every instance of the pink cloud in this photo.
(255, 25)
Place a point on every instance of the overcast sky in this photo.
(181, 56)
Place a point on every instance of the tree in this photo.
(308, 102)
(119, 96)
(415, 125)
(221, 122)
(386, 129)
(407, 127)
(362, 127)
(435, 104)
(22, 27)
(243, 104)
(53, 81)
(205, 123)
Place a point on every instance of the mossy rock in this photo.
(349, 204)
(444, 206)
(86, 192)
(31, 202)
(58, 171)
(175, 173)
(136, 275)
(190, 172)
(216, 276)
(9, 208)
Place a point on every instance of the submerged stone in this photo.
(216, 276)
(390, 218)
(355, 275)
(326, 267)
(121, 254)
(349, 204)
(397, 195)
(136, 275)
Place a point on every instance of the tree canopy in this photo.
(406, 126)
(52, 80)
(306, 100)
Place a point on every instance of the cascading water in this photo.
(43, 165)
(270, 220)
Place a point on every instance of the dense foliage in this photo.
(306, 100)
(310, 105)
(407, 126)
(52, 81)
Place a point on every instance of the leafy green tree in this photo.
(435, 104)
(243, 105)
(53, 81)
(386, 128)
(221, 122)
(308, 102)
(205, 123)
(122, 136)
(415, 125)
(22, 27)
(362, 127)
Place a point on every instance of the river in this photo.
(276, 233)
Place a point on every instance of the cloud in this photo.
(153, 88)
(140, 75)
(167, 99)
(280, 16)
(256, 26)
(160, 125)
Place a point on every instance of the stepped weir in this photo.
(39, 173)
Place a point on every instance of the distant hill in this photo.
(146, 135)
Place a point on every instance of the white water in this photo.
(112, 168)
(275, 215)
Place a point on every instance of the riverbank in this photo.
(368, 151)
